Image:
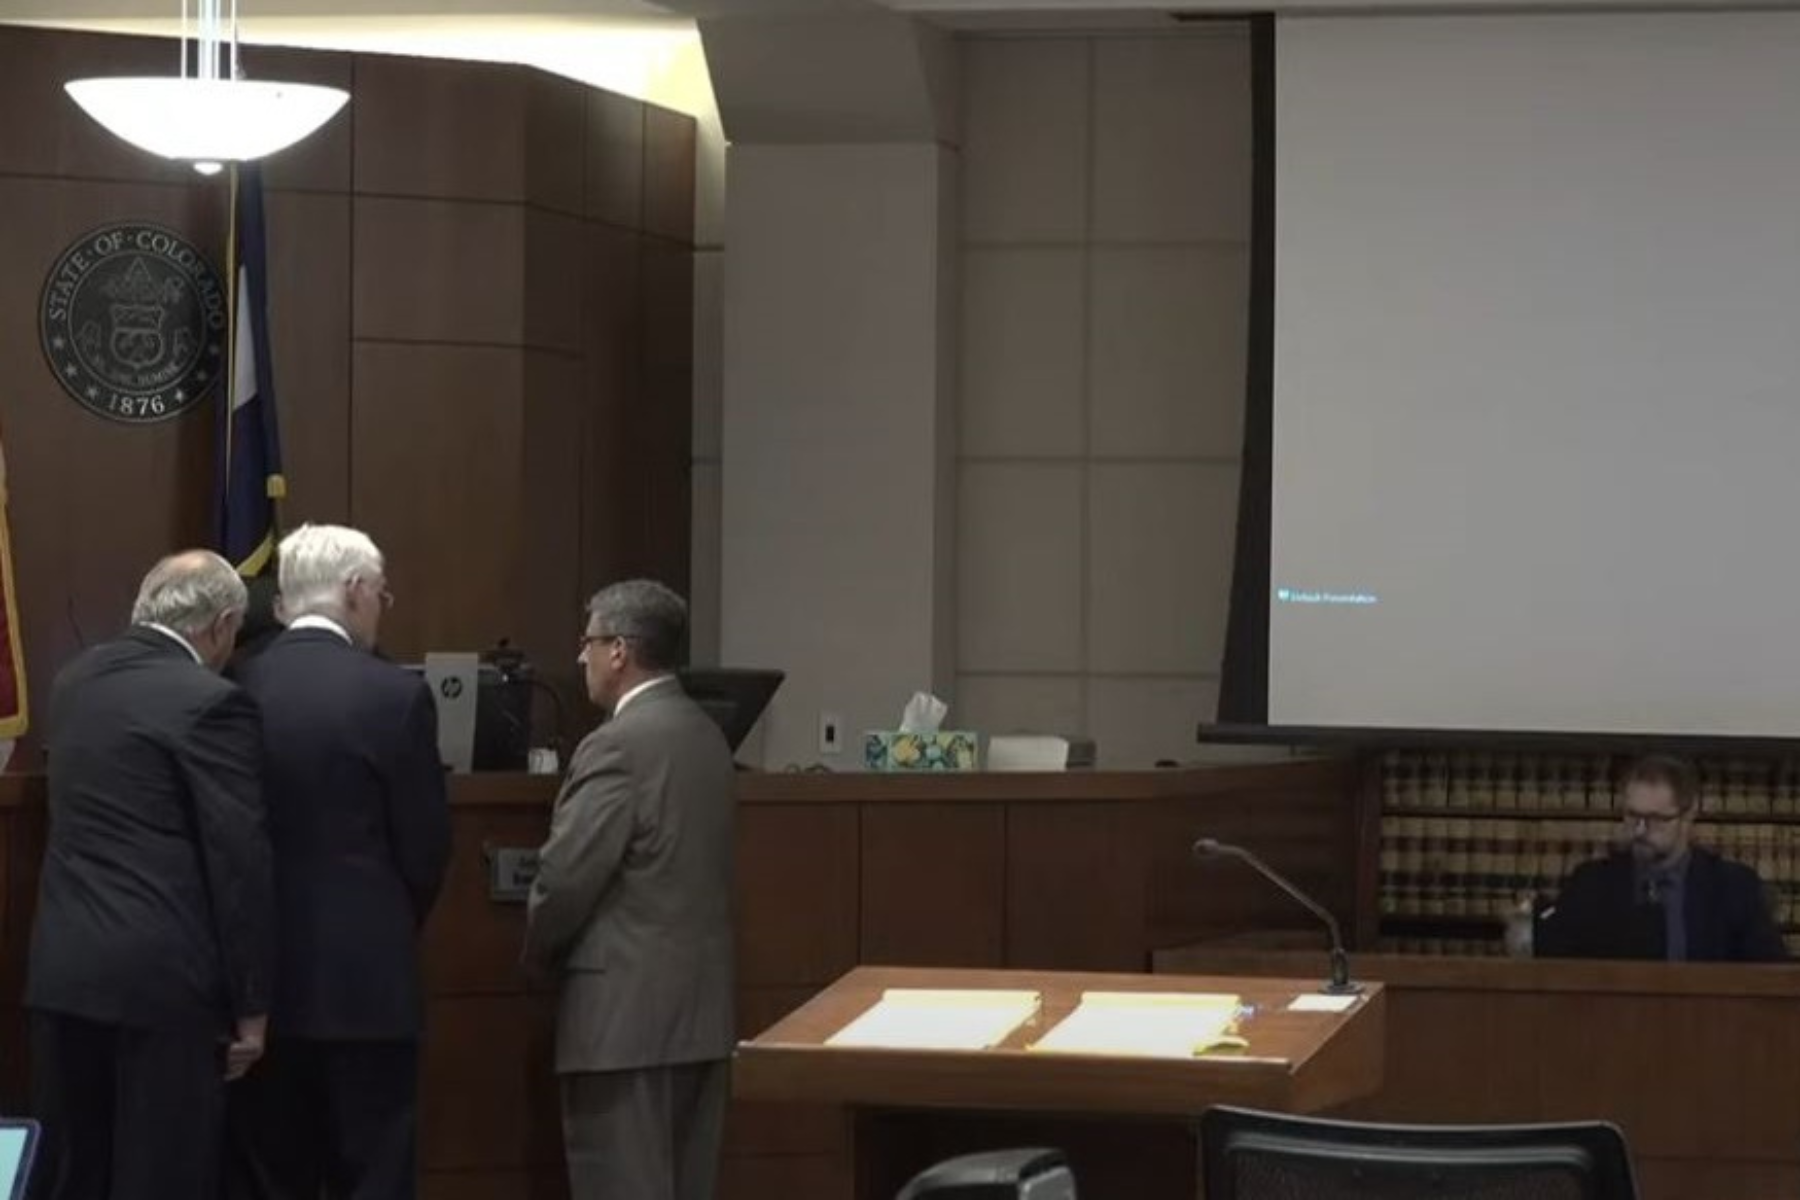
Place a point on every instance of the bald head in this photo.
(198, 595)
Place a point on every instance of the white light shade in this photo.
(207, 120)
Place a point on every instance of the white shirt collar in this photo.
(645, 686)
(318, 621)
(177, 639)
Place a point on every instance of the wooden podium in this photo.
(914, 1107)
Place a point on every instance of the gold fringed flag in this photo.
(12, 653)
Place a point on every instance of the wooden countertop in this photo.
(507, 789)
(1415, 972)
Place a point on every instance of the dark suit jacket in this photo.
(154, 907)
(361, 830)
(632, 903)
(1726, 912)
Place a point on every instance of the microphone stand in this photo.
(1340, 983)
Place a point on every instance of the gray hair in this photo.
(187, 592)
(317, 561)
(647, 615)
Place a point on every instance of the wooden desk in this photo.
(1699, 1064)
(1295, 1061)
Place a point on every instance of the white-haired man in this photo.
(151, 953)
(361, 834)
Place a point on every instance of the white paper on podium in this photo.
(1146, 1024)
(938, 1019)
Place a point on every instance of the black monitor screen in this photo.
(733, 696)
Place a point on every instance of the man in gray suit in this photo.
(632, 912)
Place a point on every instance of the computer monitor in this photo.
(502, 718)
(733, 696)
(18, 1150)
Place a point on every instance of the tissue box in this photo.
(894, 750)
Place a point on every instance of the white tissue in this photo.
(924, 714)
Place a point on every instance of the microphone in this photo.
(1339, 984)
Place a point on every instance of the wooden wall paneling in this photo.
(658, 479)
(488, 1095)
(435, 127)
(1075, 887)
(934, 885)
(1308, 835)
(671, 149)
(548, 618)
(435, 479)
(1690, 1179)
(787, 1177)
(1433, 1073)
(309, 341)
(494, 1185)
(798, 868)
(1606, 1056)
(556, 143)
(472, 943)
(1746, 1105)
(31, 79)
(439, 271)
(615, 160)
(613, 325)
(554, 259)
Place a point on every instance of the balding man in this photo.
(149, 973)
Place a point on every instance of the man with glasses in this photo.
(1660, 895)
(631, 913)
(360, 828)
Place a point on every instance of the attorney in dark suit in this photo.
(361, 834)
(631, 911)
(1661, 896)
(148, 980)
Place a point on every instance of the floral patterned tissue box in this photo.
(893, 750)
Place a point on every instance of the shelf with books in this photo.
(1609, 814)
(1466, 836)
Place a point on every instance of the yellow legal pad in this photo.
(938, 1019)
(1146, 1024)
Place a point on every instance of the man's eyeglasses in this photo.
(1649, 821)
(384, 597)
(589, 639)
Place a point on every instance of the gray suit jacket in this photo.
(632, 905)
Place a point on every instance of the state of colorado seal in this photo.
(133, 321)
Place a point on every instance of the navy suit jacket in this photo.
(1598, 915)
(154, 906)
(361, 833)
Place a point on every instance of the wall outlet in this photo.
(831, 733)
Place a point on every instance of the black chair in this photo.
(1249, 1155)
(1030, 1174)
